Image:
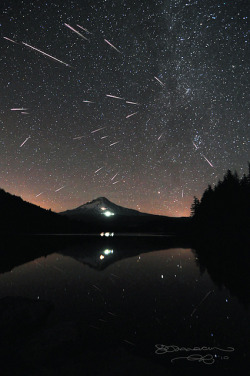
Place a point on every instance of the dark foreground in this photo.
(115, 306)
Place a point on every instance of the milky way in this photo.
(143, 102)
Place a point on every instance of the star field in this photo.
(68, 133)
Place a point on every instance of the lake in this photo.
(118, 310)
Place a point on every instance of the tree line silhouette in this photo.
(224, 208)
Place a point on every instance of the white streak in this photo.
(45, 54)
(133, 103)
(160, 136)
(104, 137)
(39, 194)
(207, 160)
(114, 143)
(205, 297)
(60, 188)
(161, 83)
(24, 141)
(84, 29)
(114, 176)
(196, 147)
(24, 113)
(97, 130)
(88, 102)
(112, 46)
(116, 182)
(11, 40)
(78, 138)
(75, 31)
(19, 109)
(113, 96)
(131, 115)
(98, 169)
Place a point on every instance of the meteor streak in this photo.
(98, 169)
(114, 143)
(113, 96)
(114, 176)
(112, 46)
(39, 194)
(45, 54)
(75, 31)
(78, 138)
(88, 102)
(60, 188)
(84, 29)
(18, 109)
(207, 160)
(196, 147)
(131, 115)
(11, 40)
(133, 103)
(24, 142)
(161, 83)
(97, 130)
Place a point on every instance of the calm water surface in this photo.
(155, 298)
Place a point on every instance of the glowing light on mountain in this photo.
(108, 213)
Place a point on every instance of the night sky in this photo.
(183, 63)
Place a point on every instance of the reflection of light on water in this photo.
(106, 253)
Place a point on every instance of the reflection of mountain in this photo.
(227, 262)
(95, 251)
(99, 253)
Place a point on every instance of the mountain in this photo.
(103, 215)
(100, 207)
(19, 216)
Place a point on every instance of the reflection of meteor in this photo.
(98, 169)
(11, 40)
(114, 143)
(112, 46)
(45, 54)
(60, 188)
(84, 29)
(97, 130)
(24, 142)
(131, 115)
(161, 83)
(113, 96)
(207, 160)
(133, 103)
(75, 31)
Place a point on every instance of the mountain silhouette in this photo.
(100, 206)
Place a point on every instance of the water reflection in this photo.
(116, 298)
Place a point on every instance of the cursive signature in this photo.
(206, 359)
(200, 358)
(163, 349)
